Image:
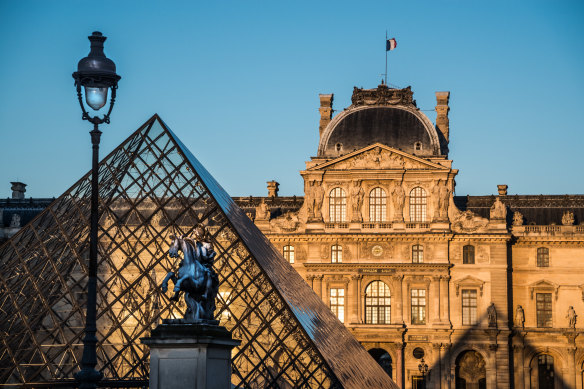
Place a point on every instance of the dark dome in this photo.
(391, 126)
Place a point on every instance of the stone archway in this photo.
(383, 358)
(470, 372)
(543, 372)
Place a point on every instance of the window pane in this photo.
(337, 206)
(337, 303)
(289, 253)
(336, 254)
(417, 253)
(377, 205)
(418, 205)
(377, 303)
(418, 304)
(544, 309)
(468, 254)
(543, 257)
(469, 306)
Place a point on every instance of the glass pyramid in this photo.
(151, 186)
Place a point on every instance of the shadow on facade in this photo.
(482, 357)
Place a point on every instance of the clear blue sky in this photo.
(238, 82)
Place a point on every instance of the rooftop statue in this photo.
(195, 276)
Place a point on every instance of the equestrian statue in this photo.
(195, 277)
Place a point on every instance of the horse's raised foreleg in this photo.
(169, 276)
(178, 283)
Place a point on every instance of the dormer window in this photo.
(418, 146)
(339, 147)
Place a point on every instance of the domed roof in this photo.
(381, 115)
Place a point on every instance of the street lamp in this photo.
(423, 368)
(96, 74)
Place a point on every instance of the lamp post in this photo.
(96, 74)
(423, 368)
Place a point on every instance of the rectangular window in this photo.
(469, 306)
(336, 254)
(418, 306)
(544, 309)
(338, 303)
(417, 254)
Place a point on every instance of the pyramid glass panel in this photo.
(151, 186)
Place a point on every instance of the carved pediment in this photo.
(544, 286)
(469, 281)
(378, 157)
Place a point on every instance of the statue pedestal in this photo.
(190, 356)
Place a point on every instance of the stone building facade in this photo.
(484, 290)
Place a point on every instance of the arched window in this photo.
(336, 253)
(337, 206)
(377, 205)
(545, 371)
(377, 303)
(383, 358)
(543, 257)
(418, 205)
(468, 254)
(289, 253)
(417, 253)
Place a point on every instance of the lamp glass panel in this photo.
(96, 97)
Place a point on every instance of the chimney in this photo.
(442, 108)
(326, 111)
(18, 189)
(502, 189)
(273, 189)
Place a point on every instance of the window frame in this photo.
(289, 253)
(377, 205)
(542, 257)
(417, 253)
(336, 253)
(337, 205)
(418, 203)
(337, 302)
(469, 311)
(377, 304)
(544, 313)
(468, 254)
(419, 307)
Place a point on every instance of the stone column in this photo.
(399, 365)
(444, 300)
(317, 285)
(444, 367)
(310, 280)
(519, 370)
(435, 291)
(405, 304)
(354, 301)
(491, 367)
(190, 356)
(437, 366)
(570, 378)
(397, 301)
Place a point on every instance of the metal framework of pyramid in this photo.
(148, 186)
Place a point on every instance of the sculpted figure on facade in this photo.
(568, 218)
(492, 315)
(314, 204)
(398, 196)
(498, 210)
(466, 221)
(571, 316)
(15, 221)
(262, 211)
(357, 193)
(440, 200)
(519, 317)
(517, 218)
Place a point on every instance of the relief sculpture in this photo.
(314, 204)
(357, 195)
(398, 196)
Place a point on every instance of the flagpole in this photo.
(385, 57)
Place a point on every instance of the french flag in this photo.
(390, 44)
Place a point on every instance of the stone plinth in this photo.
(190, 356)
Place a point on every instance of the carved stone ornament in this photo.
(382, 95)
(377, 250)
(519, 317)
(517, 218)
(498, 210)
(568, 218)
(571, 316)
(398, 196)
(287, 222)
(378, 158)
(472, 367)
(15, 221)
(440, 200)
(262, 211)
(467, 221)
(492, 315)
(314, 196)
(356, 194)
